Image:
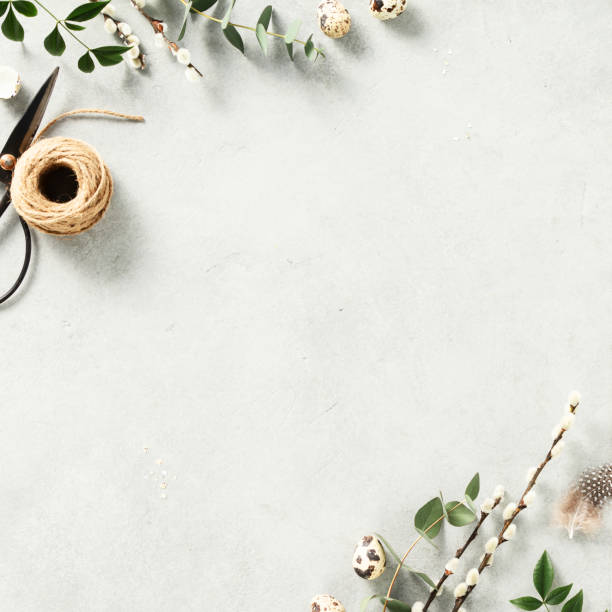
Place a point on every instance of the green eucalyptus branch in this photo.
(230, 29)
(54, 42)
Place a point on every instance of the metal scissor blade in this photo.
(28, 125)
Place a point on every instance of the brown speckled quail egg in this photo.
(334, 19)
(326, 603)
(369, 559)
(387, 9)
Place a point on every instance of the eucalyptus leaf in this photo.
(265, 16)
(262, 37)
(87, 11)
(227, 15)
(290, 50)
(527, 603)
(54, 42)
(26, 8)
(185, 17)
(543, 575)
(232, 34)
(292, 31)
(309, 49)
(3, 6)
(202, 5)
(427, 515)
(558, 595)
(473, 488)
(574, 604)
(395, 605)
(458, 514)
(11, 27)
(471, 505)
(86, 63)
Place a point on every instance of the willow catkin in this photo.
(94, 184)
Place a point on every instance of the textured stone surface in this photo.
(321, 294)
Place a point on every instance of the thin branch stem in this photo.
(401, 563)
(459, 553)
(60, 22)
(246, 27)
(519, 508)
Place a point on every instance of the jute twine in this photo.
(93, 178)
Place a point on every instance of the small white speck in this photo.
(450, 51)
(444, 71)
(164, 473)
(163, 496)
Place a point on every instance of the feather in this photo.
(582, 508)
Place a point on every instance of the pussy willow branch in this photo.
(519, 508)
(123, 38)
(459, 553)
(157, 25)
(246, 27)
(401, 563)
(60, 22)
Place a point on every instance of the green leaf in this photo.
(473, 488)
(3, 6)
(558, 595)
(309, 49)
(395, 605)
(290, 50)
(11, 27)
(202, 5)
(427, 515)
(54, 43)
(543, 574)
(232, 34)
(185, 16)
(526, 603)
(292, 31)
(363, 606)
(227, 15)
(574, 604)
(265, 17)
(471, 505)
(460, 516)
(25, 8)
(86, 11)
(86, 63)
(262, 37)
(109, 55)
(422, 575)
(74, 26)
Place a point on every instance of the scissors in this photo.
(19, 140)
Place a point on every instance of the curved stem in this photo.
(60, 22)
(246, 27)
(401, 563)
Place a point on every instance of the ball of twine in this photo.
(94, 184)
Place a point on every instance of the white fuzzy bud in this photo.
(529, 498)
(133, 39)
(124, 28)
(136, 62)
(462, 609)
(460, 590)
(557, 429)
(574, 398)
(452, 565)
(183, 56)
(568, 420)
(510, 532)
(472, 577)
(557, 448)
(110, 26)
(109, 10)
(159, 40)
(499, 492)
(192, 75)
(140, 3)
(489, 560)
(531, 472)
(491, 545)
(487, 506)
(509, 511)
(417, 606)
(133, 52)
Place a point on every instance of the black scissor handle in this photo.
(28, 250)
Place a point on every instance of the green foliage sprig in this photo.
(231, 33)
(54, 42)
(543, 577)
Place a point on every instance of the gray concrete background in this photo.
(321, 294)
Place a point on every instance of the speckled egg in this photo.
(334, 19)
(369, 559)
(326, 603)
(387, 9)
